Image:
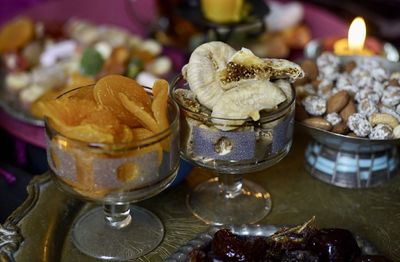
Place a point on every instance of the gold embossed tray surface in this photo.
(39, 230)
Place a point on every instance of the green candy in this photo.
(135, 66)
(91, 62)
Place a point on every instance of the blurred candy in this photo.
(30, 94)
(283, 16)
(60, 50)
(146, 79)
(16, 34)
(49, 77)
(160, 66)
(152, 46)
(104, 49)
(271, 45)
(91, 62)
(32, 53)
(135, 66)
(114, 36)
(297, 36)
(17, 81)
(15, 62)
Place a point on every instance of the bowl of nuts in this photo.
(350, 105)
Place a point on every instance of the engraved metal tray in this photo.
(202, 239)
(40, 229)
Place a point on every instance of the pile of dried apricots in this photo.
(114, 110)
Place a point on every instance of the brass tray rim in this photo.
(11, 236)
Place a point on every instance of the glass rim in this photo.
(120, 146)
(270, 117)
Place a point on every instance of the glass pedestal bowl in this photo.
(116, 175)
(350, 162)
(248, 147)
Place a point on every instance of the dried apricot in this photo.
(84, 171)
(16, 34)
(106, 93)
(144, 118)
(160, 103)
(77, 80)
(70, 111)
(127, 172)
(37, 109)
(104, 118)
(86, 133)
(159, 108)
(141, 134)
(123, 135)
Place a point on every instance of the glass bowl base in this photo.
(92, 236)
(209, 203)
(351, 169)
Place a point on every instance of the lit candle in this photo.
(354, 44)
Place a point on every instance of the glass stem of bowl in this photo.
(230, 185)
(117, 215)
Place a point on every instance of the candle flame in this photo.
(357, 34)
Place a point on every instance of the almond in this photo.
(310, 69)
(318, 122)
(352, 134)
(301, 93)
(337, 102)
(340, 128)
(301, 81)
(349, 66)
(394, 82)
(348, 110)
(315, 83)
